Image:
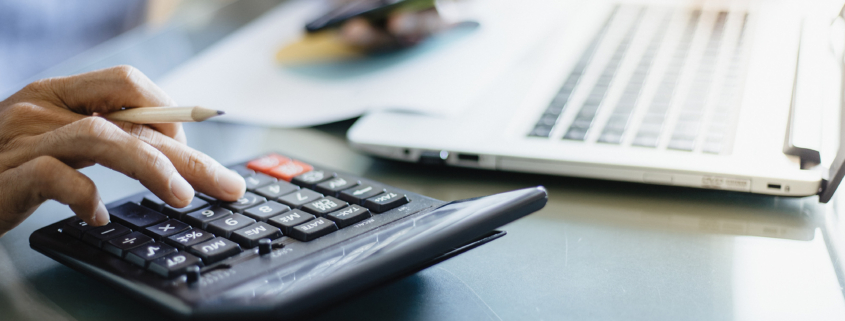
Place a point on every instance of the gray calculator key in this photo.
(245, 202)
(348, 216)
(215, 250)
(358, 194)
(311, 178)
(299, 198)
(313, 229)
(143, 255)
(324, 206)
(177, 213)
(174, 264)
(225, 226)
(242, 170)
(288, 220)
(136, 216)
(122, 244)
(202, 217)
(385, 202)
(248, 237)
(258, 180)
(98, 236)
(76, 227)
(189, 238)
(265, 211)
(166, 228)
(274, 190)
(335, 185)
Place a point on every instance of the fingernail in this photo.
(101, 215)
(180, 188)
(230, 181)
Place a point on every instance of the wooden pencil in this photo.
(158, 115)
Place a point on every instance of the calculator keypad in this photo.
(168, 240)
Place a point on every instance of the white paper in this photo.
(439, 77)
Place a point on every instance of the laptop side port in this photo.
(774, 186)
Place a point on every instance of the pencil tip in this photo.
(220, 112)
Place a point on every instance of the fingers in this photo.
(103, 91)
(25, 187)
(403, 29)
(203, 172)
(415, 26)
(96, 140)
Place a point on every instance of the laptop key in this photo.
(324, 206)
(177, 213)
(288, 220)
(335, 185)
(136, 216)
(313, 229)
(174, 264)
(215, 250)
(245, 202)
(299, 198)
(98, 236)
(189, 238)
(312, 178)
(166, 228)
(348, 216)
(201, 218)
(120, 245)
(265, 211)
(385, 202)
(248, 237)
(76, 227)
(277, 189)
(143, 255)
(358, 194)
(225, 226)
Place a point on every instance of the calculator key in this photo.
(267, 163)
(248, 237)
(207, 198)
(267, 210)
(225, 226)
(313, 229)
(335, 185)
(385, 202)
(288, 220)
(143, 255)
(242, 170)
(120, 245)
(76, 227)
(358, 194)
(153, 202)
(299, 198)
(174, 264)
(288, 171)
(324, 206)
(309, 179)
(98, 236)
(274, 190)
(348, 216)
(245, 202)
(215, 250)
(202, 217)
(177, 213)
(136, 216)
(166, 228)
(189, 238)
(258, 180)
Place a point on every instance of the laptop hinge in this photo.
(803, 135)
(830, 183)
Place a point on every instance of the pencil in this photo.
(158, 115)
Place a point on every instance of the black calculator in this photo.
(301, 238)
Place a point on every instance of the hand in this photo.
(50, 128)
(402, 29)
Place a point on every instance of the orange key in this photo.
(266, 163)
(288, 170)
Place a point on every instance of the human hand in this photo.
(50, 128)
(401, 29)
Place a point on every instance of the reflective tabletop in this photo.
(599, 250)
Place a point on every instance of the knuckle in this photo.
(43, 169)
(197, 163)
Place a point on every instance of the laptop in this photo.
(731, 95)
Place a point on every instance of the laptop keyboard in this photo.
(286, 201)
(678, 91)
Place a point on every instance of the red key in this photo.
(288, 170)
(266, 163)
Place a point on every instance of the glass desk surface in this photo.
(599, 250)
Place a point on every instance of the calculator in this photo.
(300, 239)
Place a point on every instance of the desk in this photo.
(598, 251)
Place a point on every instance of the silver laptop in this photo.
(732, 95)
